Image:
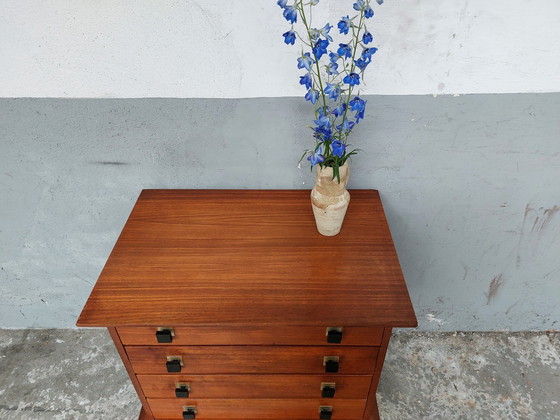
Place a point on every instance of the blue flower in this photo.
(367, 38)
(332, 69)
(357, 104)
(352, 79)
(361, 63)
(316, 157)
(312, 95)
(305, 62)
(359, 5)
(290, 13)
(306, 80)
(323, 133)
(322, 113)
(289, 37)
(346, 126)
(380, 2)
(344, 25)
(338, 148)
(368, 52)
(282, 3)
(320, 48)
(324, 31)
(314, 34)
(344, 50)
(359, 116)
(333, 90)
(323, 122)
(339, 110)
(323, 130)
(334, 57)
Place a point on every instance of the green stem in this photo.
(302, 14)
(353, 67)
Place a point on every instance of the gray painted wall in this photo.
(469, 184)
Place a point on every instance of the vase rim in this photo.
(327, 168)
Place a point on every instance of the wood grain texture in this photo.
(371, 412)
(258, 409)
(255, 386)
(374, 410)
(249, 335)
(146, 411)
(252, 359)
(249, 257)
(144, 416)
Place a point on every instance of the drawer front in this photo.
(252, 359)
(254, 386)
(258, 409)
(235, 335)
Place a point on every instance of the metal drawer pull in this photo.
(328, 389)
(190, 413)
(165, 335)
(325, 412)
(174, 364)
(334, 335)
(182, 390)
(331, 364)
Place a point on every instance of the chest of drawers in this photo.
(228, 304)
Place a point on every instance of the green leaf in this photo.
(336, 173)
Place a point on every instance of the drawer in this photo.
(254, 386)
(236, 335)
(258, 409)
(252, 359)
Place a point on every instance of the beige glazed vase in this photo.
(330, 199)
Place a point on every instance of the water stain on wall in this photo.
(529, 239)
(493, 288)
(541, 222)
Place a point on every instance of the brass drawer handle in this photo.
(189, 413)
(165, 335)
(328, 389)
(331, 364)
(325, 412)
(174, 364)
(334, 335)
(182, 390)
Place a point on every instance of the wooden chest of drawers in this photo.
(229, 305)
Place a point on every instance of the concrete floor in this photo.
(77, 374)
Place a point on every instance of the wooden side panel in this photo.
(255, 386)
(253, 359)
(145, 413)
(371, 412)
(258, 409)
(251, 335)
(144, 416)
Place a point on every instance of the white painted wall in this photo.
(208, 48)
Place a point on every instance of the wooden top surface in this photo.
(246, 257)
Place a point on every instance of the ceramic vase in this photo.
(330, 199)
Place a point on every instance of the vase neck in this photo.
(325, 184)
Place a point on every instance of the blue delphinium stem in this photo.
(304, 20)
(352, 68)
(336, 90)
